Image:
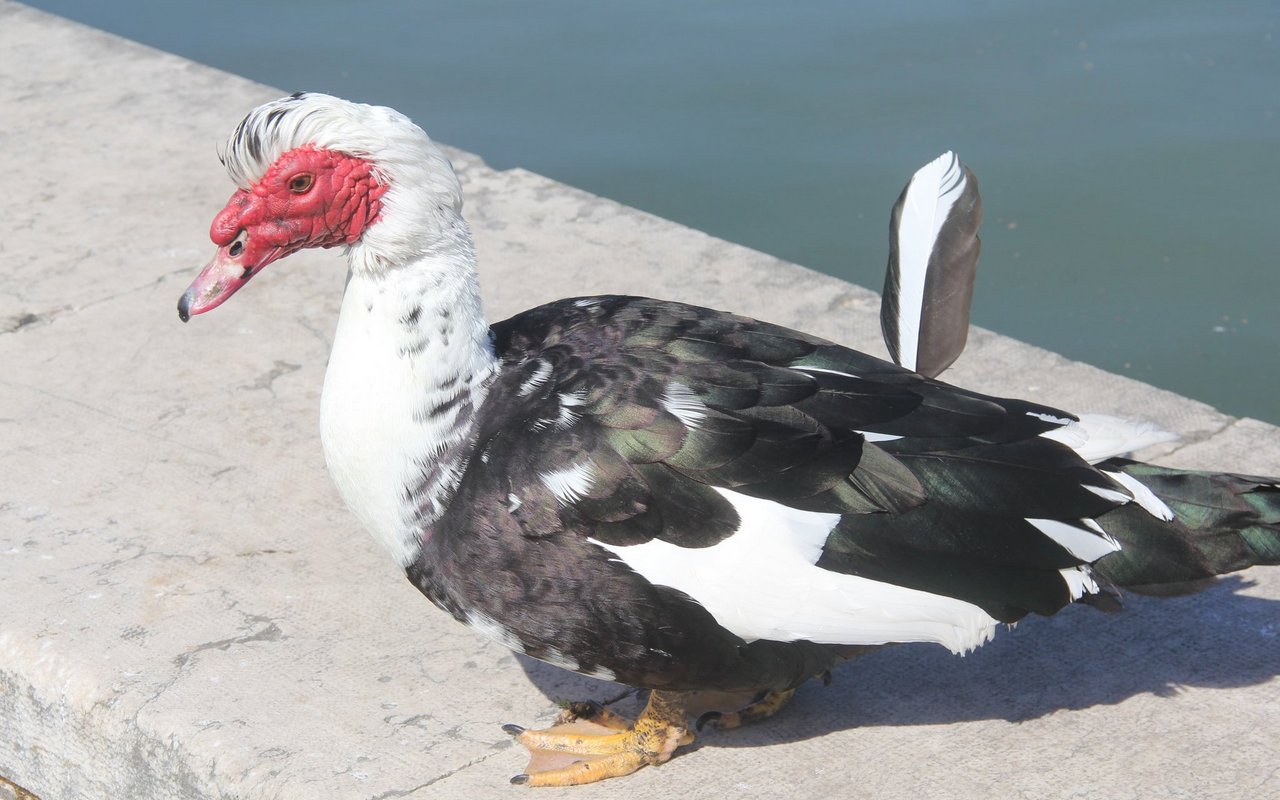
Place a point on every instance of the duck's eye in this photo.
(301, 182)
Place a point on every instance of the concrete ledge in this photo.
(186, 610)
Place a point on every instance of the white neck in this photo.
(410, 365)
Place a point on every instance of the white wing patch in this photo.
(871, 436)
(1143, 496)
(566, 418)
(1108, 494)
(681, 403)
(571, 483)
(1086, 545)
(1138, 493)
(804, 368)
(539, 377)
(1079, 581)
(1050, 418)
(569, 402)
(575, 398)
(762, 583)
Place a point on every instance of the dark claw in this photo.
(514, 730)
(710, 716)
(520, 780)
(585, 709)
(826, 678)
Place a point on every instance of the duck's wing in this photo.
(630, 420)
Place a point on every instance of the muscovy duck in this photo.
(672, 497)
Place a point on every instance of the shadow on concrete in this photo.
(1077, 659)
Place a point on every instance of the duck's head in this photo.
(317, 171)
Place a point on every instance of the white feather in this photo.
(762, 583)
(681, 403)
(1050, 418)
(878, 437)
(571, 483)
(1085, 545)
(1092, 524)
(574, 398)
(1079, 581)
(569, 402)
(566, 418)
(1144, 496)
(1108, 494)
(540, 374)
(1097, 437)
(932, 192)
(804, 368)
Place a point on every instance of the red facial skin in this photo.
(311, 197)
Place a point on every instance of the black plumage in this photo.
(780, 416)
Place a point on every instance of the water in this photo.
(1127, 152)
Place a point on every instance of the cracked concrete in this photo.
(11, 791)
(186, 610)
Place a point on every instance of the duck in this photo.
(681, 499)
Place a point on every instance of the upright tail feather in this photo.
(1222, 523)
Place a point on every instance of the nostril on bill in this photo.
(237, 247)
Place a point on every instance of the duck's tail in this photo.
(1217, 523)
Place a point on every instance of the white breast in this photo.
(410, 361)
(366, 415)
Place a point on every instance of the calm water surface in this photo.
(1129, 153)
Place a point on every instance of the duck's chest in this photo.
(394, 414)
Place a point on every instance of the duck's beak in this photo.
(231, 268)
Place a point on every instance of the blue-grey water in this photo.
(1129, 153)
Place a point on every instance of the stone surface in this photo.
(186, 610)
(11, 791)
